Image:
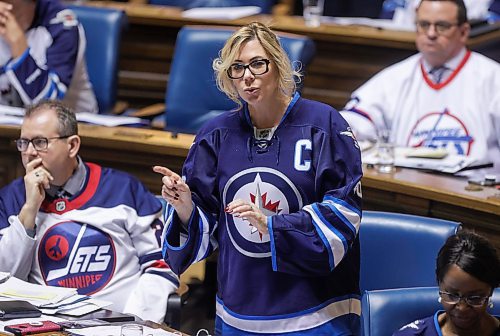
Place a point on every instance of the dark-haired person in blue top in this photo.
(467, 271)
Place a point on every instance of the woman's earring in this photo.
(439, 299)
(490, 304)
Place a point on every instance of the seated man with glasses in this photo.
(467, 271)
(70, 223)
(445, 96)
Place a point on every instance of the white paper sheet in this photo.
(108, 120)
(449, 164)
(115, 330)
(361, 21)
(221, 13)
(37, 295)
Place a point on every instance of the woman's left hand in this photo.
(250, 212)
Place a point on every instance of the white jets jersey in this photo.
(104, 241)
(461, 114)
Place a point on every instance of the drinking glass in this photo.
(131, 329)
(313, 9)
(385, 152)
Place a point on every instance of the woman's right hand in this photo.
(176, 192)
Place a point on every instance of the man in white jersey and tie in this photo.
(443, 97)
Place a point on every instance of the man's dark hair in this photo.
(461, 10)
(68, 124)
(473, 254)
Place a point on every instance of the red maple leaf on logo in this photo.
(269, 206)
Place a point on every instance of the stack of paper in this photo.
(50, 299)
(115, 330)
(220, 13)
(14, 116)
(109, 120)
(4, 276)
(36, 294)
(427, 159)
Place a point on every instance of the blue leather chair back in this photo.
(192, 95)
(385, 311)
(265, 5)
(399, 250)
(103, 28)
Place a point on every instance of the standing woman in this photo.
(467, 270)
(275, 185)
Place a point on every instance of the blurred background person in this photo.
(42, 55)
(467, 272)
(443, 97)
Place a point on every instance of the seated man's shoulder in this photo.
(54, 14)
(484, 63)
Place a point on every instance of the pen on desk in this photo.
(52, 305)
(4, 278)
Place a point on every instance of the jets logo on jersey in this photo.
(441, 129)
(77, 255)
(272, 192)
(66, 17)
(350, 134)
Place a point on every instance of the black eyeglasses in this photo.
(39, 143)
(473, 300)
(441, 27)
(257, 67)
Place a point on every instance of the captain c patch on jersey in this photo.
(77, 255)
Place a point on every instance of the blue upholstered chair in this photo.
(399, 250)
(103, 28)
(265, 5)
(385, 311)
(192, 96)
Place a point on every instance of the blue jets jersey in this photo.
(104, 241)
(53, 66)
(302, 277)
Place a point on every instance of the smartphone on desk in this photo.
(33, 328)
(485, 182)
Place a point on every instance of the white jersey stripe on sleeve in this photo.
(349, 216)
(334, 241)
(205, 236)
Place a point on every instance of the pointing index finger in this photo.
(162, 170)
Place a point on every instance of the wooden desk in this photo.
(409, 191)
(108, 316)
(346, 56)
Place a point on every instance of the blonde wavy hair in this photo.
(288, 77)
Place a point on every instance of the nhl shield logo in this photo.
(61, 205)
(272, 192)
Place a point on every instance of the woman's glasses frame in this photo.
(472, 300)
(256, 67)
